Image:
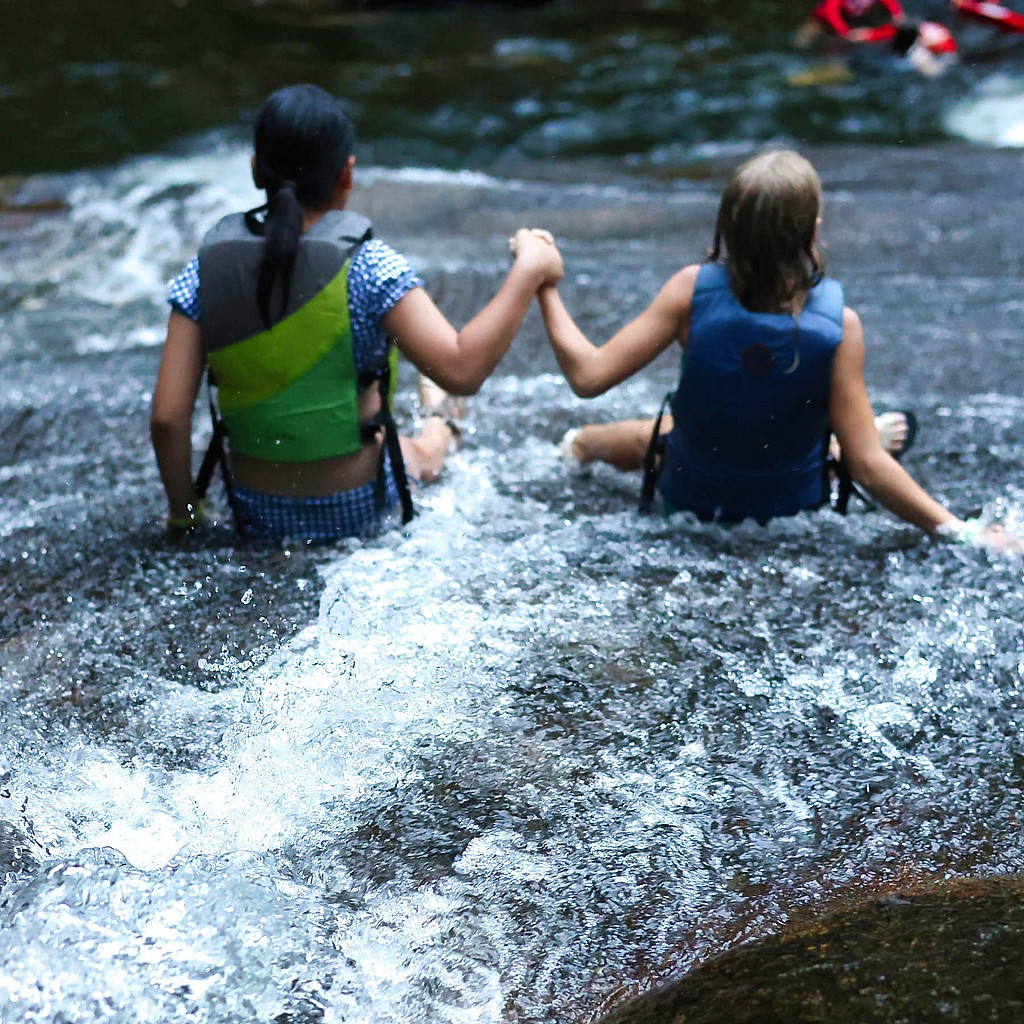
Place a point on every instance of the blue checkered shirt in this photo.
(377, 278)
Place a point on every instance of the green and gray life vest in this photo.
(289, 393)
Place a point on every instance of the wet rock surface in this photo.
(944, 952)
(533, 746)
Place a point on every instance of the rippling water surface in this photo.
(534, 749)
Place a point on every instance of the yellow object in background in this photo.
(831, 72)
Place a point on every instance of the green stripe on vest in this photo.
(393, 383)
(290, 393)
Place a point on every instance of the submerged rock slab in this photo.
(951, 951)
(31, 195)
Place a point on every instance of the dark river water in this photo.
(653, 82)
(534, 752)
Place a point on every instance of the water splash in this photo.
(495, 765)
(992, 114)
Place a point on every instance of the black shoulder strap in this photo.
(216, 456)
(653, 458)
(845, 487)
(393, 448)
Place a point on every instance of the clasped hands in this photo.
(537, 246)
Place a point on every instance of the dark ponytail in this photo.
(281, 232)
(303, 140)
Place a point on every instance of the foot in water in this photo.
(436, 403)
(897, 430)
(569, 456)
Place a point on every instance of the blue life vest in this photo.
(751, 410)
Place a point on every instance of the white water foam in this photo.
(993, 115)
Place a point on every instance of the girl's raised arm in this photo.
(592, 371)
(460, 361)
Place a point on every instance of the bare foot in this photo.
(441, 411)
(894, 431)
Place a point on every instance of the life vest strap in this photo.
(393, 447)
(217, 456)
(654, 457)
(845, 487)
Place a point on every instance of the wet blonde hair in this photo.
(766, 223)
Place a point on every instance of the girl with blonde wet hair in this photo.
(768, 220)
(772, 359)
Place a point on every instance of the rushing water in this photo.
(535, 747)
(534, 750)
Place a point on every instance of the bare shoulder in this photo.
(687, 277)
(853, 330)
(678, 289)
(850, 320)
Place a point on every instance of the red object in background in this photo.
(995, 15)
(835, 15)
(936, 38)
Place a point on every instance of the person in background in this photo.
(926, 46)
(856, 21)
(294, 308)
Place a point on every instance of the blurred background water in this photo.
(535, 751)
(653, 82)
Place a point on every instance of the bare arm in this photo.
(592, 371)
(460, 361)
(870, 464)
(174, 397)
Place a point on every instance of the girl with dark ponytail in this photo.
(282, 231)
(294, 308)
(303, 141)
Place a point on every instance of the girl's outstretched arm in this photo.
(460, 361)
(870, 464)
(174, 397)
(592, 371)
